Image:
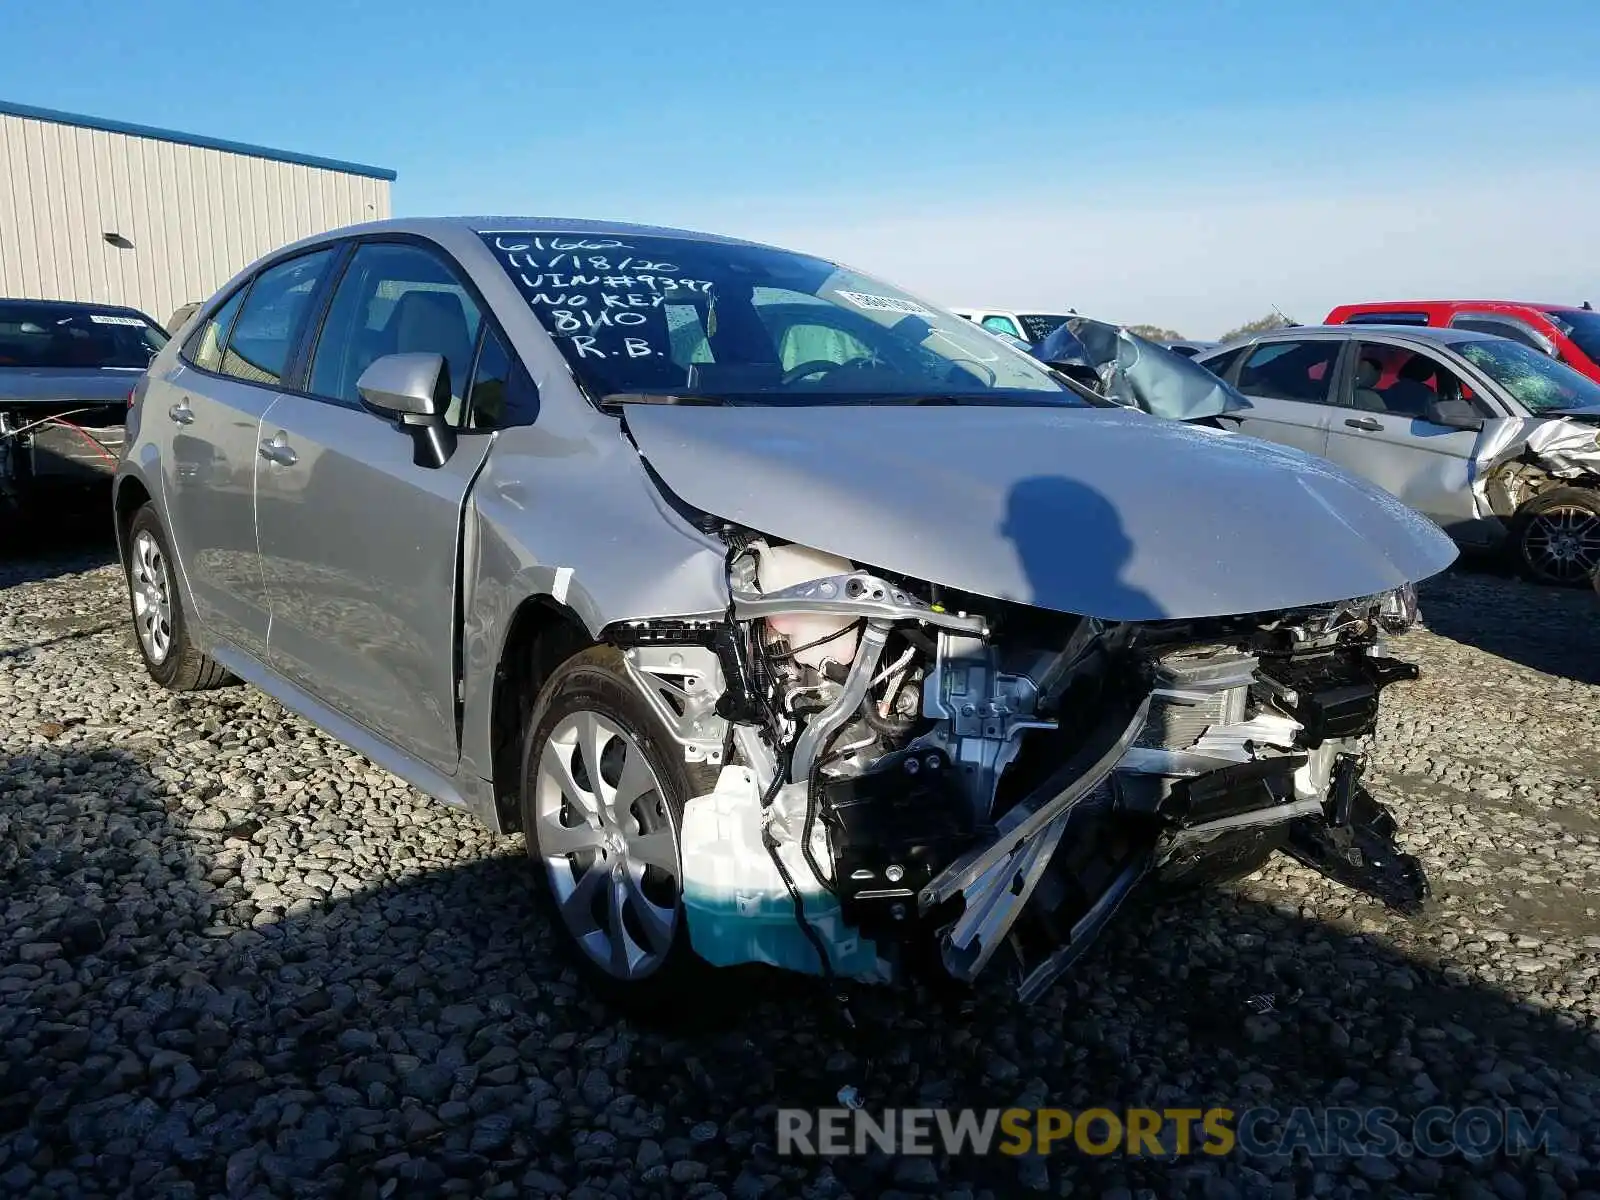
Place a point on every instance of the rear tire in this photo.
(160, 626)
(602, 796)
(1556, 537)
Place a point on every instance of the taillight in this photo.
(131, 392)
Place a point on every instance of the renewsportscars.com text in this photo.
(1167, 1133)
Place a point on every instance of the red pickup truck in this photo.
(1569, 333)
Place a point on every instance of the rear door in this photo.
(1290, 383)
(359, 544)
(1381, 432)
(209, 412)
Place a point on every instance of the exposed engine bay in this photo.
(912, 779)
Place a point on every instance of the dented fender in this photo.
(1563, 447)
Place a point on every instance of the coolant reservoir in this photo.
(778, 567)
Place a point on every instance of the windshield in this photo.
(1536, 381)
(1040, 325)
(672, 315)
(59, 335)
(1583, 328)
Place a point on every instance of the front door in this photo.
(1291, 386)
(210, 409)
(359, 545)
(1381, 432)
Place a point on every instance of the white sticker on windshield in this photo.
(885, 303)
(104, 319)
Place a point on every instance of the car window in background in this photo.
(53, 335)
(658, 315)
(1387, 318)
(1393, 379)
(1537, 381)
(1002, 325)
(395, 299)
(1583, 328)
(1290, 371)
(502, 394)
(1220, 364)
(273, 316)
(205, 345)
(1038, 326)
(1505, 329)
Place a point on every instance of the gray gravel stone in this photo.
(237, 959)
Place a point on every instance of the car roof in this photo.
(71, 305)
(513, 224)
(1438, 334)
(1407, 305)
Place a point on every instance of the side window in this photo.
(272, 319)
(1002, 325)
(1290, 371)
(502, 393)
(1500, 328)
(804, 342)
(204, 347)
(687, 333)
(395, 299)
(1221, 364)
(1393, 379)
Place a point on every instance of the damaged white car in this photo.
(1496, 442)
(792, 620)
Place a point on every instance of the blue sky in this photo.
(1186, 163)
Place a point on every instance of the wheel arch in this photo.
(127, 497)
(541, 634)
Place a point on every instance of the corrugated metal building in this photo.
(126, 214)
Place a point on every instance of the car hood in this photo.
(93, 385)
(1102, 512)
(1590, 413)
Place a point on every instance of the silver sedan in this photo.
(791, 619)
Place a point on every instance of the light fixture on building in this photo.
(117, 240)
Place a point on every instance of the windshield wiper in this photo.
(613, 401)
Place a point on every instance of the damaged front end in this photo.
(58, 444)
(911, 779)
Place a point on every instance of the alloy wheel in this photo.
(607, 839)
(152, 597)
(1562, 544)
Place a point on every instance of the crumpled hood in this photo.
(1567, 444)
(1108, 513)
(92, 385)
(1590, 413)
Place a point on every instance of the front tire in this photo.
(603, 790)
(1556, 536)
(160, 626)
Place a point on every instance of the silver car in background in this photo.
(1497, 443)
(791, 619)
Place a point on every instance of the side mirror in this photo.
(1455, 414)
(414, 391)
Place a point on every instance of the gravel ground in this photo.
(236, 959)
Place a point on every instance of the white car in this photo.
(1030, 327)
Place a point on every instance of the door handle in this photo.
(1364, 423)
(279, 451)
(181, 412)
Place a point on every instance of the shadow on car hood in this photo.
(1108, 513)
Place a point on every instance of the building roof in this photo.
(8, 108)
